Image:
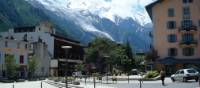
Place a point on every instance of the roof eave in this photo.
(150, 6)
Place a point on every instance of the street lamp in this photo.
(106, 57)
(66, 48)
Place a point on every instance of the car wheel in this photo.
(184, 80)
(173, 80)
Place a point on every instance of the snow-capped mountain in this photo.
(83, 20)
(103, 8)
(114, 19)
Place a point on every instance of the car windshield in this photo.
(191, 71)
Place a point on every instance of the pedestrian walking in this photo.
(162, 75)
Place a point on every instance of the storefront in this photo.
(171, 64)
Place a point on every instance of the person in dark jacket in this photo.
(162, 75)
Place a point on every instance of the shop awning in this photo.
(172, 60)
(188, 61)
(167, 61)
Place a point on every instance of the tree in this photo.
(79, 67)
(140, 62)
(97, 50)
(32, 64)
(120, 59)
(11, 66)
(151, 55)
(105, 53)
(129, 53)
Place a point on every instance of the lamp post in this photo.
(66, 48)
(106, 57)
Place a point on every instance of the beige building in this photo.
(176, 33)
(20, 51)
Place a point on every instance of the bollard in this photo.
(85, 80)
(94, 83)
(128, 78)
(140, 83)
(13, 85)
(41, 84)
(107, 79)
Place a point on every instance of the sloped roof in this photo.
(150, 6)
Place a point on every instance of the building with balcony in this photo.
(176, 33)
(47, 45)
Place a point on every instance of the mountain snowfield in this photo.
(104, 8)
(120, 21)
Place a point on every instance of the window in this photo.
(187, 38)
(18, 45)
(26, 46)
(186, 12)
(187, 23)
(172, 38)
(191, 71)
(172, 52)
(21, 61)
(6, 43)
(177, 72)
(199, 23)
(187, 1)
(171, 24)
(188, 51)
(170, 12)
(181, 72)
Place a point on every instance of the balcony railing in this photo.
(193, 43)
(188, 28)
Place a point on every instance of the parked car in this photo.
(77, 74)
(135, 72)
(185, 75)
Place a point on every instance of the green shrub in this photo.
(95, 74)
(151, 74)
(71, 78)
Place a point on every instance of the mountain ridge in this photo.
(81, 25)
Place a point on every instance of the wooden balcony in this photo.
(189, 43)
(188, 29)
